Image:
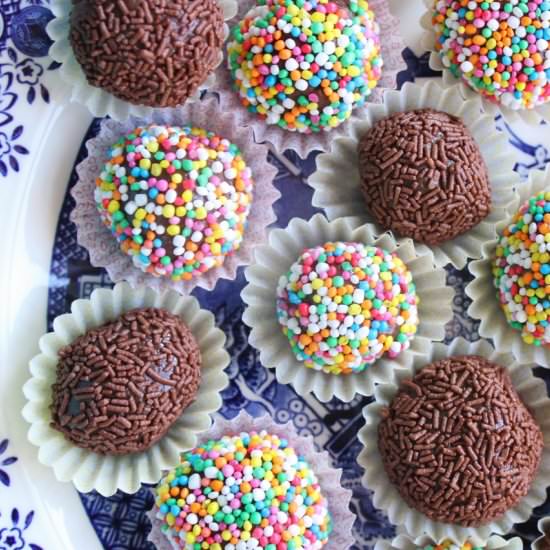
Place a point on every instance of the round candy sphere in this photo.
(342, 306)
(458, 442)
(423, 176)
(175, 198)
(500, 49)
(303, 65)
(121, 386)
(521, 270)
(147, 52)
(243, 492)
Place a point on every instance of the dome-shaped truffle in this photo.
(243, 492)
(342, 306)
(176, 199)
(120, 386)
(147, 52)
(458, 442)
(423, 176)
(304, 65)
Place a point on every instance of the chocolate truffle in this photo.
(153, 53)
(176, 199)
(120, 386)
(423, 176)
(304, 66)
(499, 49)
(458, 442)
(253, 491)
(342, 306)
(521, 270)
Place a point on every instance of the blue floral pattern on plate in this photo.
(23, 42)
(5, 462)
(12, 532)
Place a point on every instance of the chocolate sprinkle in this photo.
(147, 52)
(458, 442)
(121, 386)
(423, 176)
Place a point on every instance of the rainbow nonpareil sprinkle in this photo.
(521, 270)
(500, 49)
(243, 492)
(176, 199)
(304, 65)
(342, 306)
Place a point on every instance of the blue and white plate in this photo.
(42, 269)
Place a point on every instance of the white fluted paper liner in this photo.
(338, 498)
(303, 144)
(106, 473)
(485, 301)
(275, 259)
(542, 543)
(403, 542)
(429, 39)
(337, 182)
(100, 102)
(532, 391)
(103, 247)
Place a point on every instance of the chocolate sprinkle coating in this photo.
(423, 176)
(147, 52)
(122, 385)
(458, 442)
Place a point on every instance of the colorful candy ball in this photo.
(304, 65)
(521, 270)
(342, 306)
(243, 492)
(175, 198)
(500, 49)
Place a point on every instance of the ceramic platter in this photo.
(42, 269)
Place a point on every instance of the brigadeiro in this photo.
(121, 386)
(423, 176)
(147, 53)
(499, 49)
(521, 270)
(304, 66)
(343, 305)
(244, 491)
(458, 443)
(177, 199)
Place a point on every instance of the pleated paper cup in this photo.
(543, 542)
(392, 46)
(386, 498)
(485, 301)
(337, 181)
(403, 542)
(429, 39)
(329, 478)
(106, 473)
(275, 259)
(98, 101)
(103, 247)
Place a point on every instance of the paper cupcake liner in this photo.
(329, 478)
(485, 302)
(101, 244)
(337, 182)
(98, 101)
(274, 260)
(542, 543)
(303, 144)
(403, 542)
(429, 38)
(106, 473)
(532, 391)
